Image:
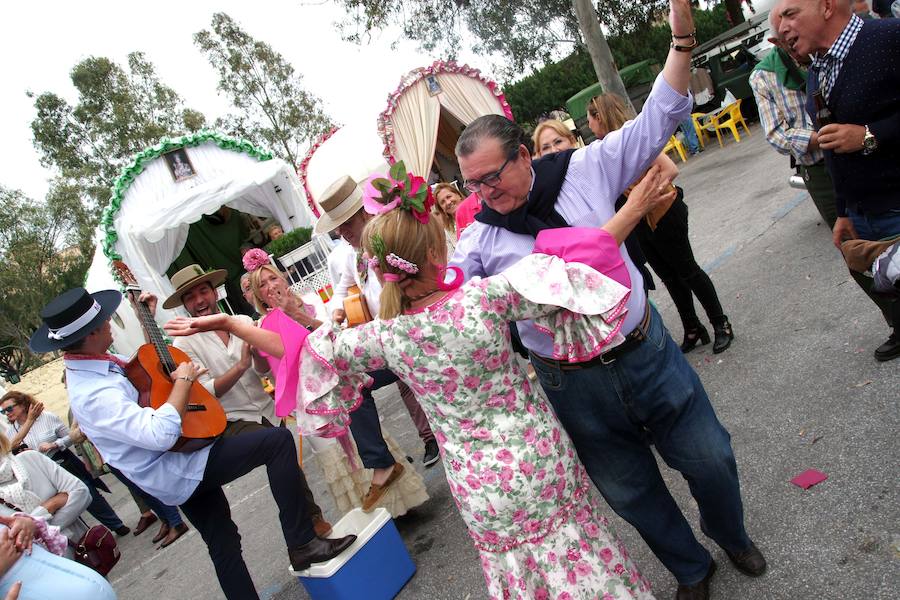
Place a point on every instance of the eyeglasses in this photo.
(490, 180)
(8, 409)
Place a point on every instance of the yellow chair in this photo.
(676, 145)
(729, 119)
(699, 128)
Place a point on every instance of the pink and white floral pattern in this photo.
(514, 475)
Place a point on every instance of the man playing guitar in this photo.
(136, 440)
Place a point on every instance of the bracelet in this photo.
(684, 37)
(680, 48)
(186, 378)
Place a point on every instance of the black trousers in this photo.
(668, 250)
(208, 510)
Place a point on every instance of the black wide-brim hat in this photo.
(71, 316)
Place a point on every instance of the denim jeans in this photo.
(167, 514)
(45, 575)
(690, 136)
(651, 394)
(878, 227)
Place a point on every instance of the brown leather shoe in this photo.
(143, 523)
(376, 491)
(750, 562)
(318, 550)
(162, 533)
(321, 526)
(698, 591)
(174, 533)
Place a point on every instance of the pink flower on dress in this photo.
(526, 468)
(450, 372)
(429, 348)
(492, 363)
(543, 447)
(606, 555)
(491, 537)
(473, 482)
(472, 382)
(541, 594)
(432, 387)
(466, 424)
(480, 355)
(592, 530)
(348, 393)
(505, 487)
(555, 436)
(529, 435)
(608, 596)
(477, 456)
(495, 402)
(551, 556)
(440, 437)
(415, 334)
(618, 569)
(560, 469)
(506, 474)
(548, 492)
(518, 517)
(571, 578)
(572, 554)
(505, 456)
(488, 477)
(533, 526)
(358, 352)
(407, 359)
(481, 434)
(375, 364)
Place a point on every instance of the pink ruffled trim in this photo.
(545, 527)
(601, 345)
(47, 535)
(303, 168)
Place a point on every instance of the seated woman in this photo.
(667, 246)
(43, 431)
(33, 484)
(447, 200)
(28, 571)
(286, 314)
(514, 475)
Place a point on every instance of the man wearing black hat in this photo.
(136, 440)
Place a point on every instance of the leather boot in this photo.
(318, 550)
(693, 336)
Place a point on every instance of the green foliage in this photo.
(119, 112)
(548, 88)
(45, 248)
(289, 241)
(274, 110)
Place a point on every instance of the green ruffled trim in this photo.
(142, 159)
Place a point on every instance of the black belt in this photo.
(632, 341)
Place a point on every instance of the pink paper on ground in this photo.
(809, 478)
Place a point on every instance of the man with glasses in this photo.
(856, 71)
(642, 391)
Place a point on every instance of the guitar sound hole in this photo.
(195, 407)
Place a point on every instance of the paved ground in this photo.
(798, 389)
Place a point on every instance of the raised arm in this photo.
(677, 69)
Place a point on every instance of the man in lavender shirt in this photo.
(642, 391)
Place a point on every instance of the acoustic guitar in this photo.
(150, 369)
(356, 308)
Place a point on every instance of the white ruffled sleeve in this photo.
(580, 308)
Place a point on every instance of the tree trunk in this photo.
(734, 11)
(601, 57)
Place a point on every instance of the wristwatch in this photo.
(870, 144)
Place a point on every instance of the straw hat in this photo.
(339, 202)
(71, 316)
(189, 277)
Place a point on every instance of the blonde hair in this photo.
(408, 238)
(258, 303)
(556, 125)
(449, 221)
(610, 111)
(5, 444)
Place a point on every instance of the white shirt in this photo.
(345, 268)
(246, 400)
(46, 428)
(135, 440)
(45, 480)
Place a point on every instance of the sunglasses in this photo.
(7, 410)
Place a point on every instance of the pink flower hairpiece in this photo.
(401, 263)
(398, 188)
(254, 259)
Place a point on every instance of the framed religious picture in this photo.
(179, 164)
(434, 88)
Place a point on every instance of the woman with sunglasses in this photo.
(40, 430)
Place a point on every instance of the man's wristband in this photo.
(186, 378)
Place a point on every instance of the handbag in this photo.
(97, 549)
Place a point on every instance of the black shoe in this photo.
(318, 550)
(698, 591)
(693, 336)
(724, 336)
(432, 455)
(123, 530)
(750, 562)
(890, 349)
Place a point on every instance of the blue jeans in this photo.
(45, 575)
(878, 227)
(366, 427)
(167, 514)
(690, 136)
(613, 412)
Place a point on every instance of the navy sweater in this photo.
(867, 92)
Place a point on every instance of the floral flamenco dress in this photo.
(514, 475)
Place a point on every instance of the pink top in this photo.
(287, 368)
(465, 213)
(590, 246)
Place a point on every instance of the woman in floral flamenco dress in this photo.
(516, 480)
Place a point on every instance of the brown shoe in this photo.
(697, 591)
(376, 491)
(321, 526)
(143, 523)
(174, 533)
(163, 532)
(750, 562)
(318, 550)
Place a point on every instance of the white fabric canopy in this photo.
(353, 150)
(156, 212)
(416, 115)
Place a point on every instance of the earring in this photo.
(457, 278)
